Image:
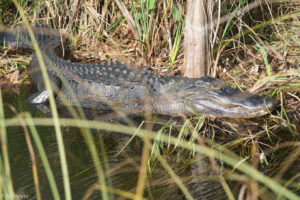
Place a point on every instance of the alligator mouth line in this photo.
(247, 113)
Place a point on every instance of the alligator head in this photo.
(212, 97)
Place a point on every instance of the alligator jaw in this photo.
(229, 102)
(238, 110)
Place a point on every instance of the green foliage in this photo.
(143, 18)
(150, 4)
(263, 52)
(176, 15)
(178, 36)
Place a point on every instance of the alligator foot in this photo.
(39, 100)
(38, 97)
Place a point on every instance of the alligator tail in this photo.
(20, 38)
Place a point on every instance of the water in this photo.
(121, 172)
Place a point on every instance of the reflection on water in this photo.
(122, 171)
(81, 168)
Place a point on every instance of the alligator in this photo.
(113, 85)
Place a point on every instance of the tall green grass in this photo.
(52, 104)
(6, 180)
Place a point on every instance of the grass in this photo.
(227, 156)
(247, 57)
(6, 185)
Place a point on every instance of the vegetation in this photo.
(257, 49)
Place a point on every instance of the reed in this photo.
(155, 31)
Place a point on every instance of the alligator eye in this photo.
(227, 91)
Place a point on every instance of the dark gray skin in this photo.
(113, 85)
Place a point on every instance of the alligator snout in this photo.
(257, 102)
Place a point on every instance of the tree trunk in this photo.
(197, 57)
